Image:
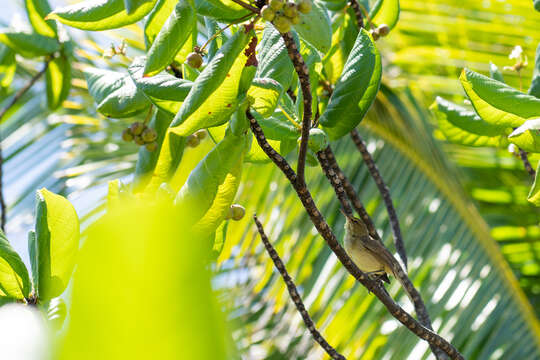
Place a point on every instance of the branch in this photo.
(357, 12)
(13, 101)
(293, 292)
(322, 227)
(385, 193)
(526, 163)
(247, 6)
(343, 182)
(303, 77)
(332, 176)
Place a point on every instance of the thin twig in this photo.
(303, 76)
(357, 12)
(13, 101)
(293, 292)
(526, 163)
(385, 193)
(343, 182)
(322, 227)
(247, 6)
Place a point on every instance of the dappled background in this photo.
(473, 240)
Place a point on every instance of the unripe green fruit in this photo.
(139, 140)
(127, 135)
(268, 13)
(137, 128)
(149, 135)
(194, 60)
(290, 10)
(295, 20)
(152, 146)
(304, 6)
(282, 24)
(318, 140)
(193, 141)
(276, 4)
(200, 134)
(383, 30)
(311, 159)
(237, 212)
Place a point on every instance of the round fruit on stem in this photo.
(194, 60)
(152, 146)
(290, 10)
(276, 4)
(375, 34)
(127, 135)
(237, 212)
(295, 20)
(268, 13)
(304, 6)
(200, 134)
(318, 140)
(383, 30)
(193, 141)
(149, 135)
(282, 24)
(137, 128)
(139, 140)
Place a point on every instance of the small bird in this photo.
(369, 254)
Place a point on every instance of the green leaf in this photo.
(219, 240)
(214, 32)
(495, 73)
(335, 5)
(314, 64)
(8, 66)
(211, 187)
(355, 90)
(56, 313)
(58, 81)
(147, 160)
(527, 136)
(172, 36)
(132, 5)
(221, 10)
(265, 94)
(534, 193)
(116, 94)
(32, 252)
(315, 27)
(497, 103)
(536, 4)
(155, 20)
(274, 72)
(534, 90)
(164, 90)
(277, 127)
(36, 11)
(343, 39)
(387, 13)
(99, 15)
(29, 45)
(213, 97)
(57, 237)
(274, 62)
(257, 155)
(14, 280)
(170, 155)
(462, 126)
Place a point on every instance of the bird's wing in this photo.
(382, 254)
